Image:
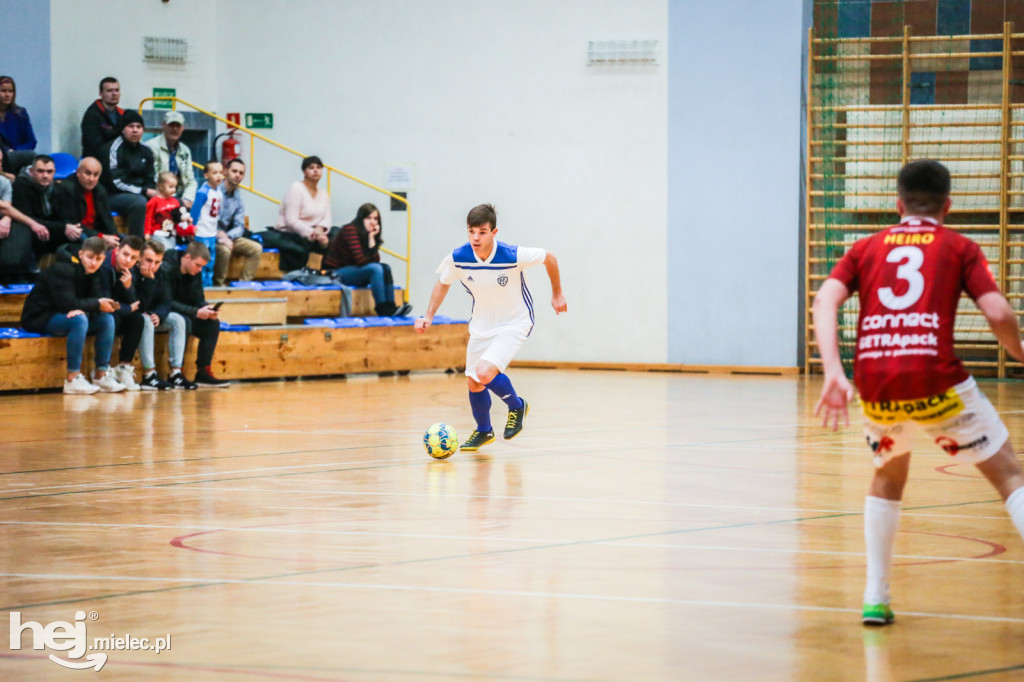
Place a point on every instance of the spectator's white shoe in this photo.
(79, 386)
(126, 376)
(108, 384)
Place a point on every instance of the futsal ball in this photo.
(440, 441)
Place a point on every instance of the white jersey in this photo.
(501, 299)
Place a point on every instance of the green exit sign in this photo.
(164, 92)
(259, 120)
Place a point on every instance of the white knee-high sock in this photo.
(1015, 505)
(881, 519)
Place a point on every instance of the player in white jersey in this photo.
(493, 274)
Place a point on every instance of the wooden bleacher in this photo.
(276, 344)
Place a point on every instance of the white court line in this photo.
(106, 484)
(504, 593)
(588, 500)
(476, 538)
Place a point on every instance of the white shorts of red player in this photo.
(960, 420)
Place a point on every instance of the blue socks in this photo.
(502, 387)
(480, 403)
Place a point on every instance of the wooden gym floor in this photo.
(644, 526)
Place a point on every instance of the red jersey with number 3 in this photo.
(909, 278)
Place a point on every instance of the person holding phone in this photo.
(182, 270)
(67, 300)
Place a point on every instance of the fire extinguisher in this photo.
(230, 148)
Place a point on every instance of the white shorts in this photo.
(497, 350)
(960, 420)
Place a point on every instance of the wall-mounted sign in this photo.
(164, 92)
(259, 120)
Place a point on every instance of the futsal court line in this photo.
(346, 466)
(275, 582)
(184, 460)
(485, 539)
(433, 559)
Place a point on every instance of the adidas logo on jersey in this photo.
(470, 279)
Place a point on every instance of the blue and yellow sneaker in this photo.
(477, 440)
(515, 421)
(877, 614)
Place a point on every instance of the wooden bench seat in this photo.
(301, 303)
(262, 352)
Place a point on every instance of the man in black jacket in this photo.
(128, 173)
(155, 304)
(117, 281)
(67, 301)
(26, 242)
(101, 122)
(184, 279)
(81, 201)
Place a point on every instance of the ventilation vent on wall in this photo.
(615, 52)
(164, 50)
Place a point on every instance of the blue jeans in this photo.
(377, 275)
(76, 328)
(211, 243)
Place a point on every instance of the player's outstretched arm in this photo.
(557, 298)
(1003, 321)
(837, 392)
(436, 299)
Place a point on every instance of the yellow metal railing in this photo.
(251, 172)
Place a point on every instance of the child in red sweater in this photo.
(166, 220)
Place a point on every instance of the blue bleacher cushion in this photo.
(17, 333)
(17, 288)
(444, 319)
(349, 322)
(265, 250)
(277, 286)
(225, 327)
(389, 321)
(247, 285)
(319, 322)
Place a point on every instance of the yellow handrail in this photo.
(330, 169)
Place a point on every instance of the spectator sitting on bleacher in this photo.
(171, 155)
(354, 255)
(33, 196)
(206, 209)
(182, 270)
(117, 281)
(304, 220)
(101, 122)
(67, 301)
(128, 173)
(15, 129)
(81, 201)
(231, 230)
(155, 304)
(17, 257)
(167, 221)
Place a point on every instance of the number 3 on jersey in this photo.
(910, 259)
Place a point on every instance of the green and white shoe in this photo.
(877, 614)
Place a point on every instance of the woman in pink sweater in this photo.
(304, 221)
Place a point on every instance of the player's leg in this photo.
(1004, 472)
(490, 372)
(984, 441)
(479, 399)
(890, 445)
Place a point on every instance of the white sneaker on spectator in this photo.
(79, 385)
(125, 375)
(108, 384)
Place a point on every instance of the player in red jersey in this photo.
(909, 278)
